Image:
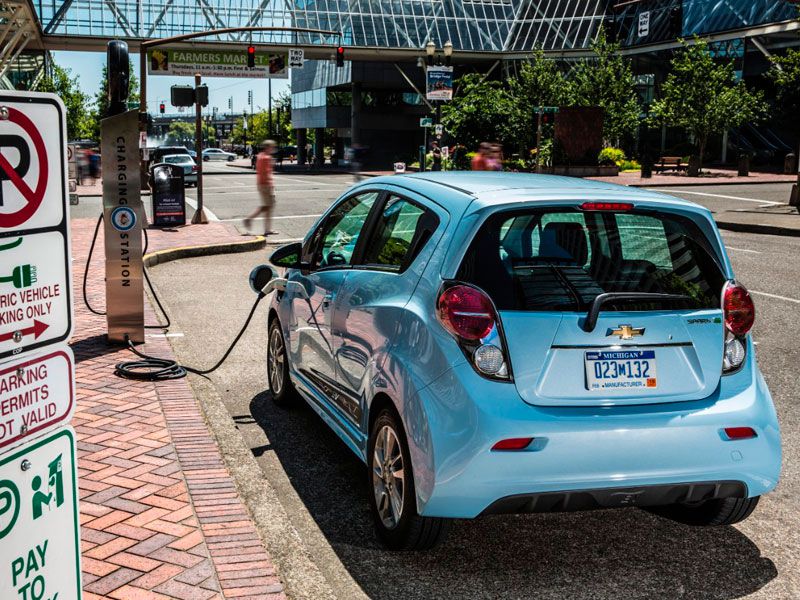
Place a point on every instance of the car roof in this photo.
(182, 155)
(497, 187)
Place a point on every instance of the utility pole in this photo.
(199, 217)
(538, 140)
(269, 104)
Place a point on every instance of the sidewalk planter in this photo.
(583, 171)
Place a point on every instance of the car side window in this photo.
(336, 239)
(401, 231)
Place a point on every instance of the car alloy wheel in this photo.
(275, 361)
(388, 478)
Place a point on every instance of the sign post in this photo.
(39, 535)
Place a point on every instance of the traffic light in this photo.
(250, 97)
(340, 56)
(161, 108)
(251, 56)
(230, 103)
(676, 21)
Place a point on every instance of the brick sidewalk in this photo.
(160, 515)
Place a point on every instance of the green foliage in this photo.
(479, 112)
(606, 80)
(61, 82)
(704, 97)
(258, 126)
(101, 97)
(183, 134)
(611, 155)
(629, 165)
(539, 83)
(785, 73)
(546, 153)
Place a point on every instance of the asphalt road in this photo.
(605, 554)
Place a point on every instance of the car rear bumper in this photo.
(602, 451)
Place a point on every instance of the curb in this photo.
(758, 228)
(707, 183)
(163, 256)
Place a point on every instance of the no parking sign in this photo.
(35, 279)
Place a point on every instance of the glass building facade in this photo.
(470, 25)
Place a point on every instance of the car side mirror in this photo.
(287, 256)
(260, 276)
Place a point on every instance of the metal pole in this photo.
(199, 217)
(269, 104)
(538, 140)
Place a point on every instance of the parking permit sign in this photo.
(39, 537)
(36, 395)
(35, 277)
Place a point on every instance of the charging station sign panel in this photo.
(39, 535)
(36, 394)
(35, 271)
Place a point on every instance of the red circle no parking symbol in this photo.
(11, 179)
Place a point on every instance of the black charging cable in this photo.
(144, 271)
(152, 368)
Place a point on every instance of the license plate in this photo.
(620, 369)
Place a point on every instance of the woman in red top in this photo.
(265, 186)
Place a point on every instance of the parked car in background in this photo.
(286, 153)
(217, 154)
(157, 154)
(187, 163)
(507, 343)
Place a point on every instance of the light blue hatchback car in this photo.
(503, 343)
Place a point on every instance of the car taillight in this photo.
(194, 168)
(738, 309)
(612, 206)
(466, 312)
(470, 316)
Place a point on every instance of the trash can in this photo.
(790, 164)
(744, 165)
(169, 200)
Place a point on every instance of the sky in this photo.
(88, 66)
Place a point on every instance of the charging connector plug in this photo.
(22, 276)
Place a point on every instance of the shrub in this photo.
(629, 165)
(611, 156)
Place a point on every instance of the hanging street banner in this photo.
(35, 268)
(36, 394)
(439, 83)
(39, 536)
(215, 63)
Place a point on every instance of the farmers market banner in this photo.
(215, 63)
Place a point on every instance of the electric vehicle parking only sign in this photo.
(39, 537)
(35, 281)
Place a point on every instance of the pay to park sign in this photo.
(35, 279)
(39, 538)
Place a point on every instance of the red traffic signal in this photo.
(340, 56)
(161, 108)
(251, 56)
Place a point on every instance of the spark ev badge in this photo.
(123, 218)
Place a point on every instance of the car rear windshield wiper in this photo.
(594, 310)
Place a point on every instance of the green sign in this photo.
(215, 63)
(39, 535)
(426, 122)
(548, 109)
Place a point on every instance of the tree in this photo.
(59, 81)
(182, 133)
(607, 81)
(704, 97)
(539, 83)
(101, 97)
(785, 73)
(479, 112)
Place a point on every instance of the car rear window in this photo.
(561, 259)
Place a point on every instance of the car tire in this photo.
(711, 513)
(388, 493)
(230, 158)
(280, 384)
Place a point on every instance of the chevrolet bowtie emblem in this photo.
(626, 332)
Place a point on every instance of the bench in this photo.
(670, 163)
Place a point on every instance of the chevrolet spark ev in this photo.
(502, 343)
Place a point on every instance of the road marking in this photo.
(795, 300)
(764, 202)
(211, 216)
(743, 250)
(303, 180)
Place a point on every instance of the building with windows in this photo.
(374, 100)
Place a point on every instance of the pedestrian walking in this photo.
(266, 188)
(436, 156)
(479, 161)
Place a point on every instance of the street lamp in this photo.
(430, 50)
(448, 52)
